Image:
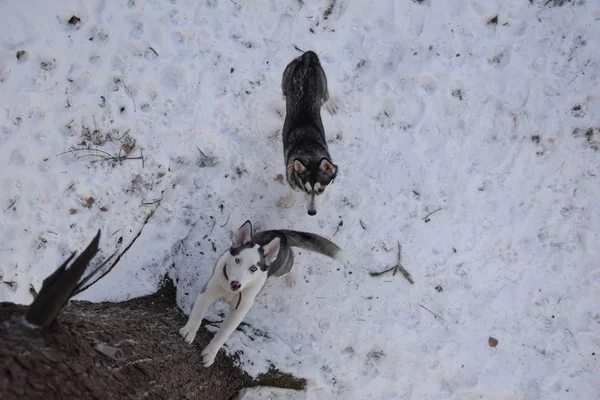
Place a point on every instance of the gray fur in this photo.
(288, 239)
(304, 86)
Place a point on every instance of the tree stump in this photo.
(62, 362)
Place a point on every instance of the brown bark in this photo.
(61, 362)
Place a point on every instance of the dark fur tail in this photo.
(304, 78)
(310, 57)
(316, 243)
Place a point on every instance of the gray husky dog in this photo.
(241, 273)
(309, 168)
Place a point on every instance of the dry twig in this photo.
(398, 268)
(211, 229)
(82, 288)
(229, 215)
(131, 95)
(426, 218)
(434, 314)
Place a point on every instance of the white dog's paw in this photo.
(188, 333)
(290, 278)
(208, 356)
(331, 106)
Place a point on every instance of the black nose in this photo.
(312, 212)
(235, 285)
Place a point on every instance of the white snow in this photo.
(439, 109)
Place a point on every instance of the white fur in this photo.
(341, 255)
(238, 268)
(331, 106)
(314, 199)
(291, 277)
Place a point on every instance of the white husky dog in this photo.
(242, 271)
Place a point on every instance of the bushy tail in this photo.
(310, 57)
(296, 86)
(316, 243)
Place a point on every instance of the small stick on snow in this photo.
(201, 152)
(152, 202)
(340, 224)
(12, 204)
(564, 216)
(211, 229)
(297, 48)
(229, 215)
(104, 155)
(153, 51)
(74, 150)
(580, 72)
(385, 247)
(434, 314)
(396, 268)
(431, 213)
(119, 138)
(81, 288)
(131, 95)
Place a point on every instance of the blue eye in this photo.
(253, 268)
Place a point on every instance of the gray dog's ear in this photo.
(299, 166)
(271, 250)
(243, 235)
(327, 167)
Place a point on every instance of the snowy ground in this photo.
(494, 122)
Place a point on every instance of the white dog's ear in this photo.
(243, 235)
(271, 250)
(298, 166)
(327, 167)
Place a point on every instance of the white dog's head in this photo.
(246, 262)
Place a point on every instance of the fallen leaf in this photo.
(20, 54)
(103, 209)
(89, 202)
(493, 342)
(74, 20)
(73, 211)
(127, 149)
(279, 178)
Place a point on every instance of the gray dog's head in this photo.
(313, 178)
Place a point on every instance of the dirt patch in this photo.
(65, 361)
